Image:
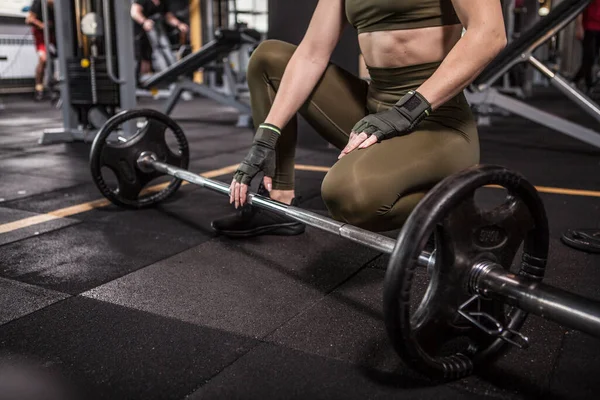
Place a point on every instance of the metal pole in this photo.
(108, 42)
(561, 84)
(352, 233)
(568, 309)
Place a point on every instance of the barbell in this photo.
(473, 304)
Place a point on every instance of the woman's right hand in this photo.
(261, 157)
(148, 25)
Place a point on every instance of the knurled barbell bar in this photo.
(473, 303)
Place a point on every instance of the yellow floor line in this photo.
(569, 192)
(81, 208)
(312, 168)
(541, 189)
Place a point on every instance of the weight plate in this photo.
(430, 335)
(121, 155)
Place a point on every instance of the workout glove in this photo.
(261, 156)
(401, 119)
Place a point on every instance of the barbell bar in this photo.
(147, 161)
(472, 295)
(570, 310)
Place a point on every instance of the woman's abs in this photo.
(388, 49)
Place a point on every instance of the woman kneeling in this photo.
(399, 135)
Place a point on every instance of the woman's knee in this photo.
(348, 200)
(271, 56)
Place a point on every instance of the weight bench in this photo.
(225, 42)
(482, 95)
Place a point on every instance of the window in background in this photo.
(252, 12)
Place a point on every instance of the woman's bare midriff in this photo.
(388, 49)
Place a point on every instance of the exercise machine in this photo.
(482, 94)
(224, 43)
(94, 82)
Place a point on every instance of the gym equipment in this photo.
(481, 94)
(473, 304)
(225, 42)
(94, 82)
(583, 239)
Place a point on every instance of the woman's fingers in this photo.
(232, 192)
(346, 149)
(369, 142)
(268, 183)
(354, 142)
(243, 194)
(236, 194)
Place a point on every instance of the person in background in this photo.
(145, 13)
(588, 31)
(36, 20)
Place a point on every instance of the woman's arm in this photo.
(485, 37)
(309, 61)
(32, 19)
(172, 20)
(137, 13)
(579, 30)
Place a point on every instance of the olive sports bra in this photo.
(388, 15)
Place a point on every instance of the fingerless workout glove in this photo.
(399, 120)
(261, 156)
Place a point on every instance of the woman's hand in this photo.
(399, 120)
(238, 192)
(148, 25)
(261, 157)
(183, 28)
(357, 141)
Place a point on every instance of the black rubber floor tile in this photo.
(19, 299)
(112, 352)
(14, 233)
(541, 156)
(571, 212)
(576, 373)
(15, 186)
(80, 257)
(273, 372)
(58, 199)
(187, 215)
(249, 287)
(39, 164)
(222, 160)
(348, 326)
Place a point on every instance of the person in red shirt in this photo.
(36, 20)
(588, 31)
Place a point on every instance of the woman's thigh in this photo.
(376, 188)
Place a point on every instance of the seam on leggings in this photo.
(342, 131)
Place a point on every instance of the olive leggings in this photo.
(374, 188)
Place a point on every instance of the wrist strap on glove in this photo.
(267, 135)
(414, 107)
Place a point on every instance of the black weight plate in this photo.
(121, 157)
(431, 336)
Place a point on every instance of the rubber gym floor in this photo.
(150, 304)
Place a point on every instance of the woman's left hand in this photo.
(183, 28)
(358, 141)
